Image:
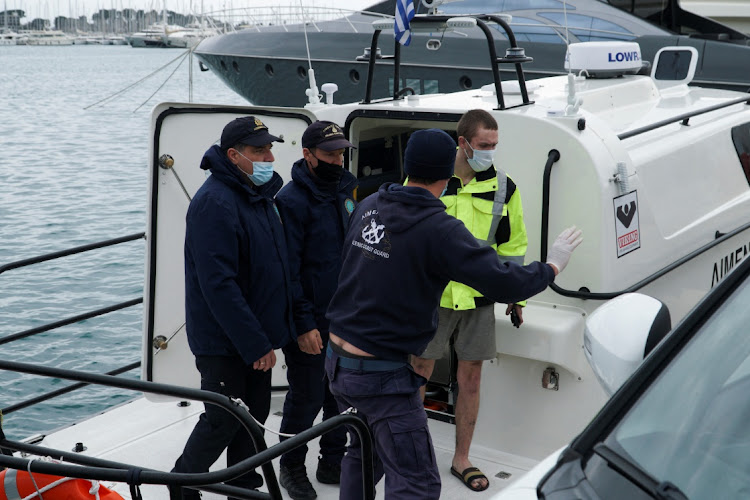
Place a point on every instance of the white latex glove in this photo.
(566, 242)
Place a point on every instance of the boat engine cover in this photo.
(620, 334)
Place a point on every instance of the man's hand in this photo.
(266, 362)
(310, 342)
(559, 255)
(516, 314)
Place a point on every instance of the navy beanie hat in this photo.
(430, 154)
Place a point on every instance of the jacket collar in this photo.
(490, 173)
(301, 174)
(225, 171)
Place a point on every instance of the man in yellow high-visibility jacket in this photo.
(488, 202)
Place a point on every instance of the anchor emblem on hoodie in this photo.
(373, 233)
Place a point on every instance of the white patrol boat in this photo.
(655, 173)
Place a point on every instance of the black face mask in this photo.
(328, 172)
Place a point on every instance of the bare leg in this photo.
(467, 407)
(423, 367)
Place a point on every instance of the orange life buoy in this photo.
(17, 484)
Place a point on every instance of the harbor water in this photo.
(74, 172)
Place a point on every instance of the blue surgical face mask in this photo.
(482, 158)
(445, 189)
(262, 171)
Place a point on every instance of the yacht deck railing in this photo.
(88, 467)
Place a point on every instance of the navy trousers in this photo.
(390, 404)
(308, 392)
(218, 429)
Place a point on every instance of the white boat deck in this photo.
(152, 435)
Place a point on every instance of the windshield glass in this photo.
(690, 426)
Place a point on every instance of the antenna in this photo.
(313, 97)
(574, 103)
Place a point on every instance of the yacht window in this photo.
(495, 6)
(415, 84)
(689, 427)
(431, 87)
(531, 30)
(652, 11)
(741, 139)
(589, 29)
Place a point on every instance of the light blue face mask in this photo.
(482, 158)
(262, 171)
(445, 189)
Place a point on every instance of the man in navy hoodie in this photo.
(315, 208)
(400, 252)
(238, 298)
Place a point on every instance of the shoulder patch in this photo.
(349, 205)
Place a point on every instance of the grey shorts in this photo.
(473, 333)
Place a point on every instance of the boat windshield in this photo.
(690, 426)
(545, 20)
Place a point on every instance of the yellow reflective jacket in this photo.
(490, 207)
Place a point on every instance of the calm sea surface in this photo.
(71, 174)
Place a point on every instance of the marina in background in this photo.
(74, 174)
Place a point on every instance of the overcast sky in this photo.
(49, 9)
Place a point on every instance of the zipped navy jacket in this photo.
(400, 252)
(237, 291)
(316, 217)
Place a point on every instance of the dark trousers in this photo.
(390, 404)
(218, 429)
(308, 392)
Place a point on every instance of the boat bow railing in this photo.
(70, 320)
(106, 470)
(288, 18)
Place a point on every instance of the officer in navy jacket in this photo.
(315, 208)
(400, 252)
(238, 298)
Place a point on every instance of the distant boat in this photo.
(153, 36)
(44, 37)
(268, 63)
(116, 40)
(188, 37)
(9, 37)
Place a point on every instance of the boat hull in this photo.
(276, 72)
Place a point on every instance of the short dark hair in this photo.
(472, 120)
(239, 147)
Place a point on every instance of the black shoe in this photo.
(294, 479)
(328, 473)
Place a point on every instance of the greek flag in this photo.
(404, 14)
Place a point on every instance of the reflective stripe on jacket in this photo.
(490, 207)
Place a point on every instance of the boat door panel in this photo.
(181, 133)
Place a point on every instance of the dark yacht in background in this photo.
(268, 64)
